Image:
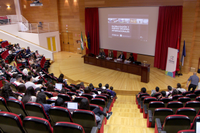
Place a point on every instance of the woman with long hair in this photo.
(29, 96)
(50, 88)
(7, 92)
(41, 98)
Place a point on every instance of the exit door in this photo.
(51, 42)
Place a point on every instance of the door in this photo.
(51, 42)
(67, 42)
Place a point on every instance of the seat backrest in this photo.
(65, 97)
(186, 92)
(184, 99)
(147, 100)
(99, 101)
(197, 92)
(157, 94)
(103, 97)
(51, 100)
(57, 113)
(3, 105)
(192, 96)
(48, 94)
(67, 127)
(35, 109)
(10, 122)
(89, 96)
(175, 97)
(197, 98)
(85, 118)
(193, 104)
(143, 94)
(16, 106)
(165, 100)
(79, 98)
(71, 93)
(193, 125)
(155, 104)
(161, 113)
(190, 112)
(174, 105)
(186, 131)
(37, 125)
(174, 123)
(93, 106)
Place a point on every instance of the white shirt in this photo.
(29, 83)
(181, 89)
(18, 83)
(168, 92)
(25, 71)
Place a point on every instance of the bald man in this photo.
(194, 82)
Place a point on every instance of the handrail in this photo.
(24, 39)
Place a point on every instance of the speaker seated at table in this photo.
(121, 56)
(102, 54)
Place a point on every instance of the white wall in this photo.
(32, 37)
(23, 43)
(43, 39)
(13, 28)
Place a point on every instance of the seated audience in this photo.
(163, 94)
(13, 79)
(102, 54)
(41, 98)
(19, 80)
(155, 91)
(60, 102)
(30, 83)
(84, 104)
(25, 71)
(110, 54)
(35, 79)
(131, 58)
(143, 90)
(62, 80)
(169, 90)
(50, 88)
(113, 94)
(121, 56)
(100, 86)
(179, 88)
(28, 51)
(7, 93)
(30, 95)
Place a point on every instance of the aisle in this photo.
(126, 117)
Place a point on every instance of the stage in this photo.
(74, 69)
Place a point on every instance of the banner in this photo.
(171, 62)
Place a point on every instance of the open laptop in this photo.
(72, 106)
(58, 86)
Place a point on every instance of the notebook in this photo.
(58, 86)
(72, 106)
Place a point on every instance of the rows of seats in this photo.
(176, 114)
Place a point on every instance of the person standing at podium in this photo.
(121, 56)
(110, 54)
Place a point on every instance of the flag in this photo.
(183, 54)
(88, 40)
(82, 45)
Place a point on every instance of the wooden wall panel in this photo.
(3, 7)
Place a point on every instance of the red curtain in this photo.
(168, 33)
(92, 27)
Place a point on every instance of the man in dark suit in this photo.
(131, 58)
(121, 56)
(102, 54)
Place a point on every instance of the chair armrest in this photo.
(105, 110)
(145, 109)
(141, 105)
(94, 130)
(101, 122)
(150, 115)
(158, 125)
(138, 101)
(163, 132)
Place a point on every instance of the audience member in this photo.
(28, 51)
(30, 83)
(179, 88)
(41, 98)
(84, 104)
(163, 94)
(13, 79)
(7, 93)
(60, 102)
(155, 91)
(19, 80)
(113, 94)
(30, 95)
(143, 90)
(50, 88)
(169, 90)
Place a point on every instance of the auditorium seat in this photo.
(186, 92)
(115, 53)
(16, 106)
(190, 112)
(175, 97)
(146, 102)
(183, 100)
(35, 109)
(37, 125)
(135, 56)
(51, 100)
(106, 52)
(193, 104)
(89, 96)
(10, 123)
(141, 101)
(157, 94)
(3, 104)
(160, 113)
(65, 97)
(48, 94)
(72, 93)
(103, 97)
(85, 118)
(197, 98)
(192, 96)
(173, 124)
(99, 101)
(174, 105)
(57, 113)
(67, 127)
(186, 131)
(152, 106)
(139, 98)
(197, 92)
(19, 94)
(166, 100)
(193, 125)
(79, 98)
(93, 106)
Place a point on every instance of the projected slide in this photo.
(129, 26)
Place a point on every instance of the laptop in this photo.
(58, 86)
(72, 106)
